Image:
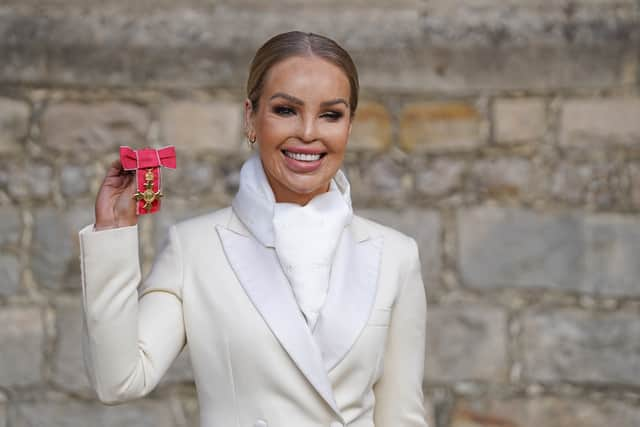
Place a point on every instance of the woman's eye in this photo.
(332, 115)
(283, 111)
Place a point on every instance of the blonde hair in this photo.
(298, 43)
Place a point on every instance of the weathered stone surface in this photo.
(422, 225)
(199, 127)
(501, 248)
(581, 347)
(14, 124)
(29, 179)
(144, 413)
(56, 252)
(456, 332)
(75, 180)
(601, 121)
(545, 411)
(383, 178)
(439, 177)
(518, 120)
(3, 415)
(9, 274)
(10, 225)
(371, 128)
(195, 179)
(21, 339)
(634, 176)
(97, 128)
(69, 372)
(570, 182)
(428, 127)
(503, 176)
(612, 245)
(516, 248)
(405, 48)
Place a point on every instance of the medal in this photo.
(146, 163)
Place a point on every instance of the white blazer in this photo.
(255, 361)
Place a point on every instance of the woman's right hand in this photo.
(115, 206)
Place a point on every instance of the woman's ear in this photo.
(248, 118)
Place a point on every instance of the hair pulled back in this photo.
(298, 43)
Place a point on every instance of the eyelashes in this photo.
(285, 111)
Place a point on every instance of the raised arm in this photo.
(128, 342)
(399, 397)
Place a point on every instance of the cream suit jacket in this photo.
(255, 361)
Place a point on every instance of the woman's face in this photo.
(302, 125)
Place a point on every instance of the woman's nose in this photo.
(308, 129)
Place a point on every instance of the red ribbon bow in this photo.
(146, 162)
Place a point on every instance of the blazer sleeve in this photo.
(128, 341)
(398, 393)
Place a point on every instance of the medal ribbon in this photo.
(146, 162)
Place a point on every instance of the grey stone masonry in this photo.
(145, 413)
(21, 346)
(14, 124)
(69, 371)
(581, 347)
(501, 248)
(55, 246)
(601, 121)
(547, 412)
(10, 226)
(9, 274)
(466, 342)
(405, 47)
(97, 128)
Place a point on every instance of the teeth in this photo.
(302, 157)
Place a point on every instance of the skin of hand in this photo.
(115, 206)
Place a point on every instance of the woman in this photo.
(297, 312)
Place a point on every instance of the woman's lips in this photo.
(302, 162)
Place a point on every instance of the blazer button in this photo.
(260, 423)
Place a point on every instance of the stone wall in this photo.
(503, 135)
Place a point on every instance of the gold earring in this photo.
(252, 141)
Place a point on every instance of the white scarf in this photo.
(305, 238)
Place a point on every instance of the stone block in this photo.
(518, 120)
(97, 128)
(503, 248)
(612, 245)
(634, 176)
(371, 128)
(76, 180)
(69, 372)
(581, 347)
(3, 415)
(29, 179)
(382, 178)
(14, 124)
(55, 246)
(502, 177)
(142, 413)
(601, 121)
(456, 332)
(10, 226)
(440, 177)
(545, 411)
(9, 274)
(427, 127)
(203, 127)
(513, 248)
(422, 225)
(21, 351)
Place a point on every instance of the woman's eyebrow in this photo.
(298, 101)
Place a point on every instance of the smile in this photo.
(303, 157)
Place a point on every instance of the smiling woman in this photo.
(296, 311)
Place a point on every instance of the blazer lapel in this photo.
(259, 272)
(352, 294)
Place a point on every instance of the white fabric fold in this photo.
(305, 238)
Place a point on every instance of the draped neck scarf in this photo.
(305, 238)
